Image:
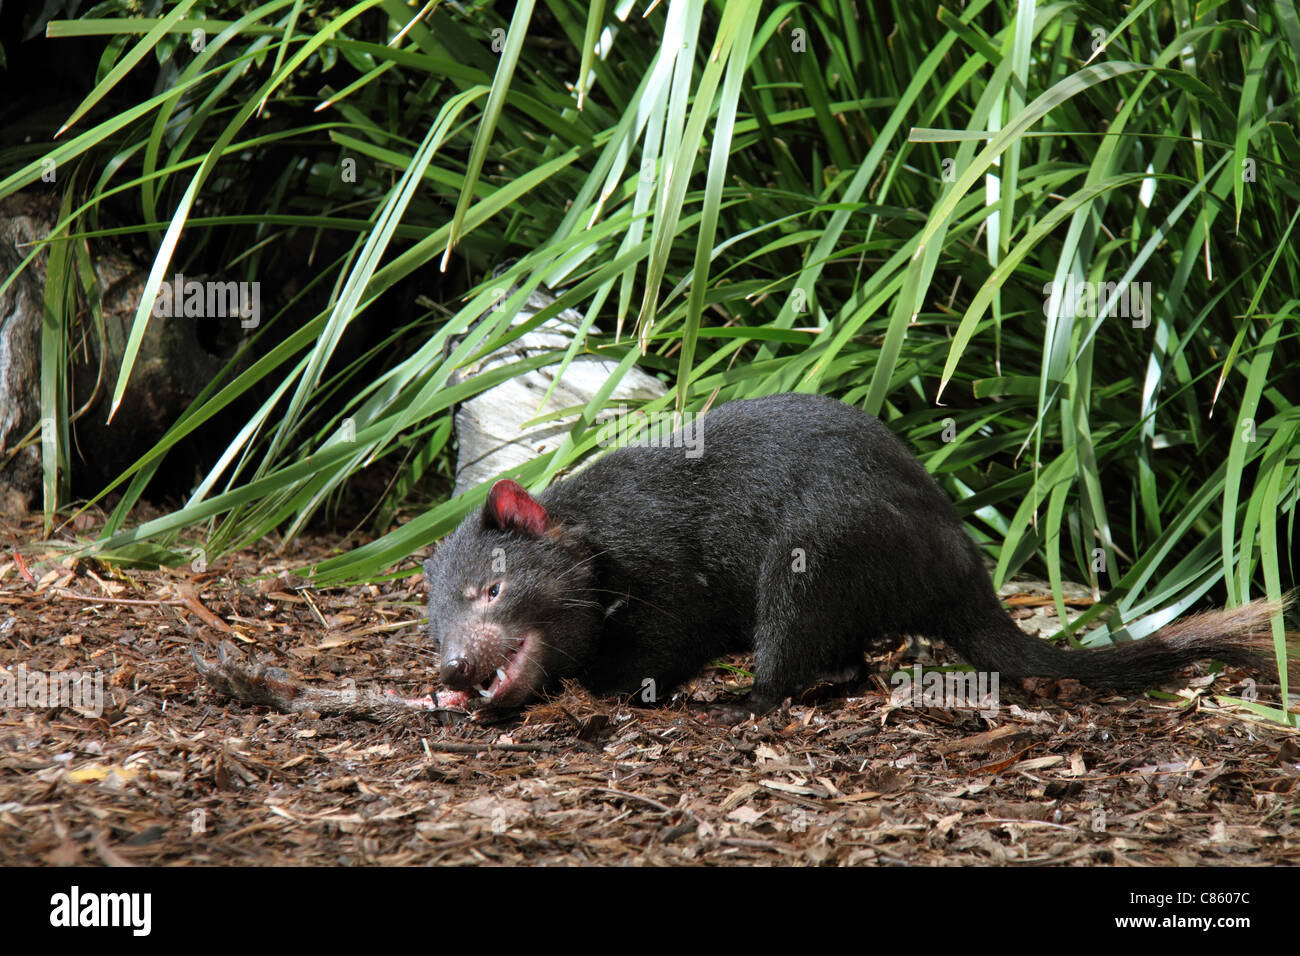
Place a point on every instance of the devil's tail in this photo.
(1241, 636)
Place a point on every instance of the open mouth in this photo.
(507, 673)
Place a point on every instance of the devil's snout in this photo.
(456, 673)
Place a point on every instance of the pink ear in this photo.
(509, 508)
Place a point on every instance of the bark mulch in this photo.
(172, 772)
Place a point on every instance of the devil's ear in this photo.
(510, 508)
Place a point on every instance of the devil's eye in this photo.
(494, 590)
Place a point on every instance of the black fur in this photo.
(806, 531)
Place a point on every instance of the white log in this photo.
(490, 426)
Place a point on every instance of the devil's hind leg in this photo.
(813, 619)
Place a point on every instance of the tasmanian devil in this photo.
(793, 525)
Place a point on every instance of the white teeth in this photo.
(501, 674)
(485, 693)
